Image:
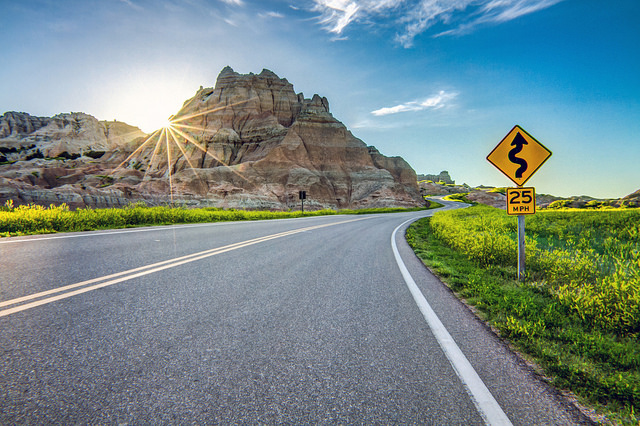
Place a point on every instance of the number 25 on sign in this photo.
(521, 201)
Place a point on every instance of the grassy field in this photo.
(33, 219)
(578, 314)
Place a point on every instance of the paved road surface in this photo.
(305, 321)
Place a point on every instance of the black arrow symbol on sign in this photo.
(518, 143)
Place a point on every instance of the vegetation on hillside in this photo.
(577, 315)
(462, 197)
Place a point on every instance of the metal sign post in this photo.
(519, 155)
(521, 255)
(520, 202)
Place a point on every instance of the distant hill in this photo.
(443, 177)
(496, 197)
(585, 202)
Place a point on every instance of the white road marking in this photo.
(484, 401)
(108, 280)
(94, 234)
(15, 240)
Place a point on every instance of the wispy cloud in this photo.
(415, 17)
(499, 11)
(336, 14)
(271, 15)
(231, 22)
(234, 2)
(441, 100)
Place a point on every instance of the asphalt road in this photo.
(305, 321)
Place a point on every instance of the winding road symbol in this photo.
(518, 155)
(518, 142)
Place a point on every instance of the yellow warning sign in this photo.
(521, 201)
(519, 155)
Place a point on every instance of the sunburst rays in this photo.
(170, 144)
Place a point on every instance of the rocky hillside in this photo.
(442, 177)
(62, 159)
(585, 202)
(24, 137)
(249, 142)
(496, 197)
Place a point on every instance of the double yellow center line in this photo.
(38, 299)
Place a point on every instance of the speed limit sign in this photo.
(521, 201)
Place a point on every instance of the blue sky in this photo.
(438, 82)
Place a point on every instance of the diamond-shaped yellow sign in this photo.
(518, 155)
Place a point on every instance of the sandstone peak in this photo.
(268, 74)
(248, 142)
(227, 70)
(16, 124)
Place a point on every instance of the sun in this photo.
(168, 123)
(172, 138)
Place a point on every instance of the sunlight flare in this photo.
(169, 165)
(176, 131)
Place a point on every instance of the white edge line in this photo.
(80, 234)
(484, 401)
(93, 233)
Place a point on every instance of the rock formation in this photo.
(443, 176)
(250, 142)
(74, 134)
(61, 159)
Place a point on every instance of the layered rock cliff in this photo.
(249, 142)
(443, 176)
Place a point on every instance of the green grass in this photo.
(434, 205)
(33, 219)
(578, 314)
(499, 190)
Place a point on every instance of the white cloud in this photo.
(416, 16)
(441, 100)
(505, 10)
(499, 11)
(234, 2)
(275, 15)
(426, 14)
(336, 14)
(271, 15)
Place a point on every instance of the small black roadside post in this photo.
(303, 196)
